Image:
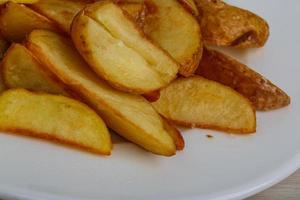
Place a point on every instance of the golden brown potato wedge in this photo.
(21, 70)
(190, 5)
(129, 115)
(119, 52)
(261, 92)
(169, 25)
(55, 118)
(226, 25)
(198, 102)
(61, 12)
(17, 21)
(175, 134)
(19, 1)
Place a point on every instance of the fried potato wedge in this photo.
(2, 85)
(17, 21)
(261, 92)
(226, 25)
(21, 70)
(129, 115)
(55, 118)
(169, 25)
(119, 52)
(61, 12)
(190, 5)
(198, 102)
(18, 1)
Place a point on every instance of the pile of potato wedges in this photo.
(73, 70)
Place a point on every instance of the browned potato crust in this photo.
(55, 118)
(199, 102)
(129, 115)
(190, 6)
(226, 25)
(21, 70)
(261, 92)
(17, 21)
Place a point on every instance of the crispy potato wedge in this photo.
(190, 5)
(19, 1)
(71, 122)
(102, 31)
(226, 25)
(61, 12)
(169, 25)
(261, 92)
(17, 21)
(198, 102)
(175, 134)
(21, 70)
(129, 115)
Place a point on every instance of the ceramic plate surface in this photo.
(225, 167)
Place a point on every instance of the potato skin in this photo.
(226, 25)
(261, 92)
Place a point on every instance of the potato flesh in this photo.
(198, 102)
(129, 115)
(137, 12)
(71, 122)
(17, 21)
(102, 32)
(260, 91)
(61, 12)
(21, 70)
(176, 31)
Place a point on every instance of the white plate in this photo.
(225, 167)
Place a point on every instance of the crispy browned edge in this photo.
(189, 67)
(35, 49)
(188, 7)
(47, 72)
(142, 34)
(50, 138)
(175, 134)
(262, 93)
(50, 22)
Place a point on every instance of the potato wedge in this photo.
(226, 25)
(190, 5)
(175, 134)
(18, 1)
(198, 102)
(17, 21)
(261, 92)
(21, 70)
(129, 115)
(55, 118)
(2, 85)
(61, 12)
(102, 31)
(169, 25)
